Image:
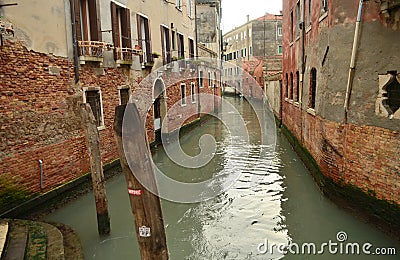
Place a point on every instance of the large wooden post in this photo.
(96, 168)
(146, 207)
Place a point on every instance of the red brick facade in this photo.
(362, 150)
(40, 118)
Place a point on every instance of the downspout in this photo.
(352, 61)
(74, 41)
(197, 57)
(302, 69)
(41, 173)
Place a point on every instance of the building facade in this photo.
(340, 95)
(256, 48)
(58, 54)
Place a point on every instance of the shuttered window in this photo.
(124, 96)
(93, 98)
(181, 46)
(87, 20)
(166, 44)
(144, 38)
(191, 48)
(121, 28)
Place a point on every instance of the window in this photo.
(280, 49)
(144, 39)
(324, 6)
(201, 82)
(123, 96)
(287, 86)
(298, 19)
(209, 79)
(121, 32)
(88, 28)
(178, 4)
(250, 50)
(191, 48)
(291, 26)
(181, 46)
(297, 89)
(193, 92)
(189, 6)
(92, 96)
(165, 45)
(86, 18)
(173, 40)
(183, 94)
(313, 87)
(279, 30)
(291, 87)
(309, 11)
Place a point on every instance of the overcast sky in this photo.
(234, 11)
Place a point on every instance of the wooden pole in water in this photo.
(96, 168)
(146, 207)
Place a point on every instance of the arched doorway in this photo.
(159, 109)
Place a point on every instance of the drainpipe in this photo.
(74, 41)
(302, 69)
(352, 61)
(41, 173)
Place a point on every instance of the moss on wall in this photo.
(10, 194)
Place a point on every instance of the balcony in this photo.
(125, 55)
(92, 51)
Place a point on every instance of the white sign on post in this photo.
(144, 231)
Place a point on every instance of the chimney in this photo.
(248, 18)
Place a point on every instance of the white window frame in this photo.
(183, 97)
(201, 78)
(86, 89)
(193, 92)
(178, 4)
(279, 30)
(189, 6)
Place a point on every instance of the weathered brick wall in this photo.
(40, 120)
(364, 152)
(40, 117)
(364, 156)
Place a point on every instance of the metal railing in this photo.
(125, 54)
(92, 48)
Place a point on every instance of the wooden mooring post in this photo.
(146, 207)
(96, 168)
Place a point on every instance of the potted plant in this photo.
(156, 55)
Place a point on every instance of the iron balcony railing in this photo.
(125, 54)
(93, 48)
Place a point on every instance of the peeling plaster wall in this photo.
(31, 24)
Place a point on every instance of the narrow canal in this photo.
(281, 205)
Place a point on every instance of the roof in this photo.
(270, 17)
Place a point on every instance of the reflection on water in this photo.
(274, 201)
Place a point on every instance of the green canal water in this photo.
(273, 203)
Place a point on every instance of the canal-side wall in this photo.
(40, 119)
(357, 152)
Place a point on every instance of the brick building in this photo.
(340, 101)
(255, 47)
(56, 54)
